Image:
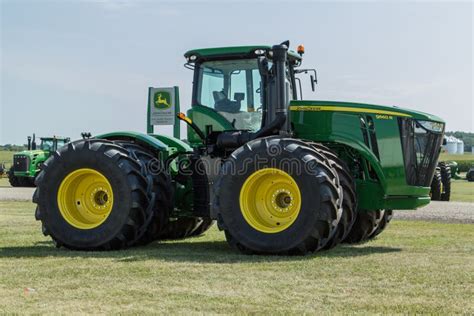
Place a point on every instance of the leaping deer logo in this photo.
(162, 102)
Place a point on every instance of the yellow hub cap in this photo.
(270, 200)
(85, 198)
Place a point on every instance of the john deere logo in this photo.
(162, 100)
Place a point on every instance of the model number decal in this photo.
(383, 117)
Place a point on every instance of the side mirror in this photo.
(312, 83)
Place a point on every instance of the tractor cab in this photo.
(238, 88)
(52, 143)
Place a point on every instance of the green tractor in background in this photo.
(441, 183)
(27, 164)
(279, 174)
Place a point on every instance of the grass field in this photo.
(6, 157)
(462, 191)
(448, 157)
(413, 267)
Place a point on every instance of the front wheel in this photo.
(277, 196)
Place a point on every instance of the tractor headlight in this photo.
(435, 127)
(259, 52)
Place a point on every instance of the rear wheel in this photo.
(436, 186)
(445, 171)
(202, 227)
(94, 195)
(365, 225)
(184, 227)
(277, 196)
(161, 187)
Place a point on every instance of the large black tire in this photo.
(470, 175)
(319, 211)
(436, 186)
(30, 182)
(365, 225)
(446, 180)
(161, 187)
(184, 227)
(387, 217)
(349, 202)
(23, 182)
(202, 227)
(14, 181)
(132, 190)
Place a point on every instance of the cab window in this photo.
(232, 88)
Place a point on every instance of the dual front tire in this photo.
(278, 196)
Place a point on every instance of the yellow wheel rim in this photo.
(85, 198)
(270, 200)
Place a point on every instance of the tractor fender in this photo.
(364, 151)
(180, 145)
(142, 138)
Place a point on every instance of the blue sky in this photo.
(73, 66)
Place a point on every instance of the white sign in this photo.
(162, 106)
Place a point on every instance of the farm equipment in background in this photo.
(27, 164)
(453, 166)
(3, 170)
(470, 175)
(441, 183)
(279, 174)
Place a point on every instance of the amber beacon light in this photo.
(300, 49)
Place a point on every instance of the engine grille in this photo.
(20, 163)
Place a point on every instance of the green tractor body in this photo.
(27, 164)
(279, 174)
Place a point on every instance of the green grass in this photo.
(6, 157)
(462, 190)
(413, 267)
(451, 157)
(4, 182)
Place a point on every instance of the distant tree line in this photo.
(467, 138)
(11, 147)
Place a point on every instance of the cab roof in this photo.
(232, 51)
(54, 137)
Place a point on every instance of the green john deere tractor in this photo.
(279, 175)
(27, 164)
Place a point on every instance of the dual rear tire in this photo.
(100, 195)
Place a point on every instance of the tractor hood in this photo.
(333, 106)
(30, 153)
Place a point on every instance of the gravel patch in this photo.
(16, 194)
(451, 212)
